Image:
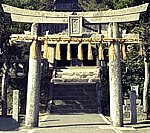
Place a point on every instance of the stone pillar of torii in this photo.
(111, 16)
(34, 80)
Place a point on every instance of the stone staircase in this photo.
(72, 98)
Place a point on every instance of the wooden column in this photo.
(116, 111)
(34, 77)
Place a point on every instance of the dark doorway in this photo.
(63, 61)
(87, 62)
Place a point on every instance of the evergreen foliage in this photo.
(92, 5)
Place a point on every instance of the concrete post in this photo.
(51, 86)
(133, 110)
(116, 107)
(34, 78)
(16, 105)
(98, 97)
(146, 86)
(4, 93)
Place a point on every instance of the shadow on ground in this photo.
(73, 125)
(9, 124)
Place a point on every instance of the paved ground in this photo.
(82, 123)
(85, 123)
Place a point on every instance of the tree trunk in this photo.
(116, 111)
(145, 90)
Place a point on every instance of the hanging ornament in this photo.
(68, 51)
(45, 49)
(33, 49)
(90, 54)
(100, 52)
(57, 56)
(50, 54)
(124, 55)
(111, 51)
(80, 52)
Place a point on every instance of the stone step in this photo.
(58, 102)
(73, 106)
(75, 111)
(73, 89)
(78, 97)
(82, 93)
(74, 98)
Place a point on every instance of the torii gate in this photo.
(75, 21)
